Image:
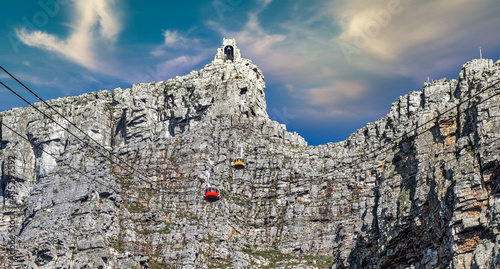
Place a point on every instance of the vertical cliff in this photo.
(415, 188)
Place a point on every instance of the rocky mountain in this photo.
(415, 189)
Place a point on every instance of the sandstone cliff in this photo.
(417, 188)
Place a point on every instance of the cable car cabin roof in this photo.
(211, 194)
(238, 163)
(211, 189)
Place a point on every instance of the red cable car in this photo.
(211, 194)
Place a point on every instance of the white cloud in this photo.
(405, 39)
(295, 54)
(173, 38)
(38, 81)
(338, 99)
(95, 23)
(182, 62)
(301, 48)
(170, 68)
(33, 79)
(110, 25)
(177, 41)
(265, 3)
(260, 46)
(158, 51)
(394, 32)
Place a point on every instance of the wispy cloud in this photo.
(95, 23)
(389, 38)
(169, 68)
(191, 48)
(302, 48)
(31, 80)
(182, 62)
(173, 38)
(259, 45)
(39, 81)
(397, 33)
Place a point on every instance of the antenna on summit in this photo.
(480, 54)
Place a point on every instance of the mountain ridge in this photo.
(423, 174)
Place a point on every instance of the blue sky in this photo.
(331, 66)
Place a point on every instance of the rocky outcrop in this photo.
(417, 188)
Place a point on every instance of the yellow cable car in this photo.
(238, 162)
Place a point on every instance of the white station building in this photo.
(228, 52)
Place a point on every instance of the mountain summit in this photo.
(124, 188)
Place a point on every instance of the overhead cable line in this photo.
(337, 201)
(85, 143)
(93, 178)
(56, 158)
(416, 134)
(395, 141)
(439, 163)
(67, 164)
(78, 128)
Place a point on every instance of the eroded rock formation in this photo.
(417, 188)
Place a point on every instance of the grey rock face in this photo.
(415, 189)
